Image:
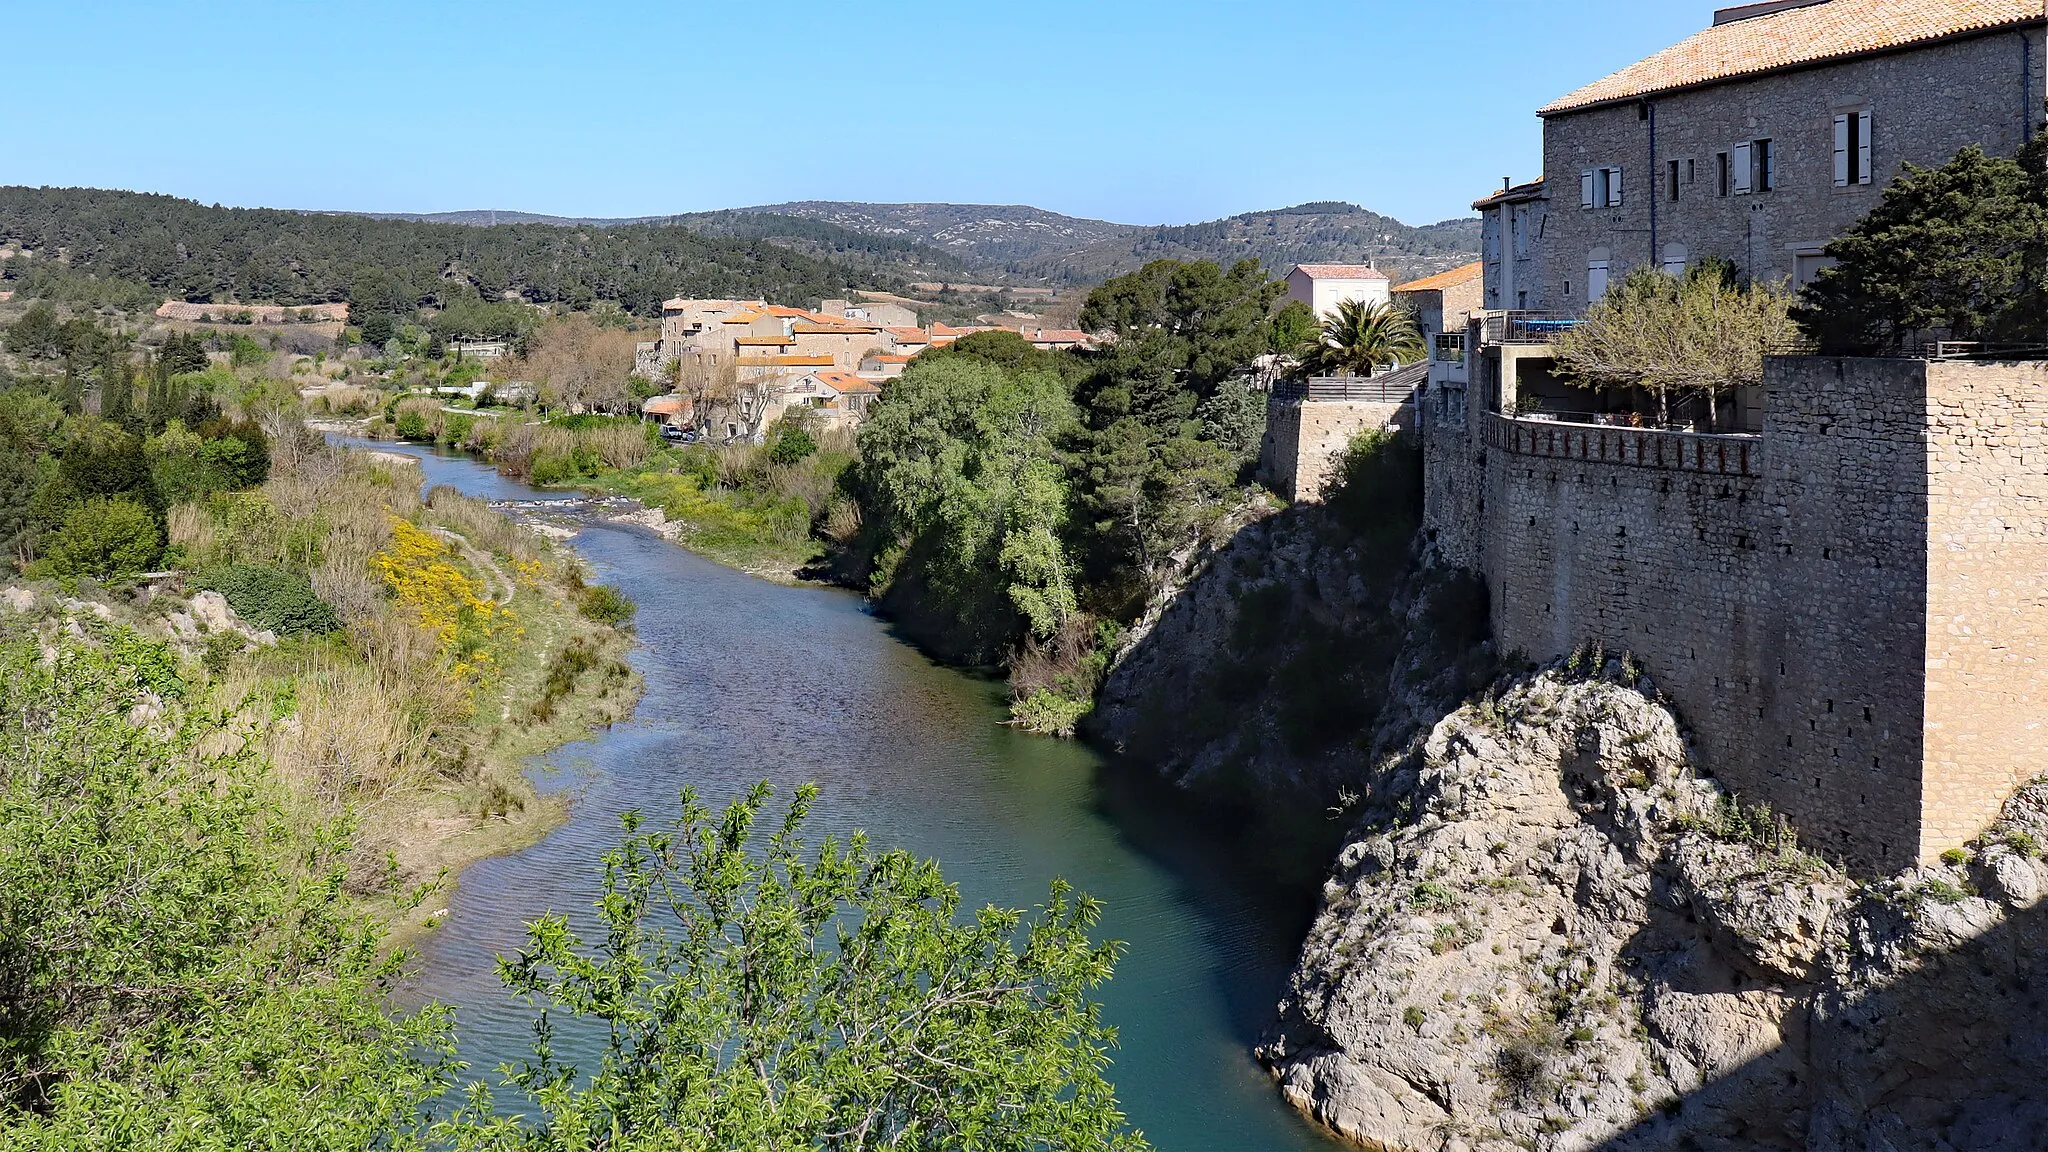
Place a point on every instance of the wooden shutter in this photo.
(1614, 187)
(1741, 164)
(1586, 188)
(1863, 148)
(1842, 171)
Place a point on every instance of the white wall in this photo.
(1323, 296)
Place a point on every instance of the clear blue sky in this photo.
(1144, 111)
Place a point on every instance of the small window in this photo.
(1692, 171)
(1672, 181)
(1596, 274)
(1765, 158)
(1722, 159)
(1676, 259)
(1600, 188)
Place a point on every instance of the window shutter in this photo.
(1586, 188)
(1841, 151)
(1741, 165)
(1863, 148)
(1614, 187)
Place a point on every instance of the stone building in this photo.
(1839, 584)
(1761, 138)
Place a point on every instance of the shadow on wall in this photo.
(1947, 1055)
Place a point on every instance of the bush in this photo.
(791, 443)
(272, 598)
(606, 605)
(106, 538)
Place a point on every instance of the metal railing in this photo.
(1449, 346)
(1525, 327)
(1334, 389)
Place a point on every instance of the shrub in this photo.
(1955, 857)
(106, 538)
(1049, 713)
(791, 443)
(271, 598)
(606, 605)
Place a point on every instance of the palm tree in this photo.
(1361, 337)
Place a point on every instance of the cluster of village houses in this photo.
(749, 362)
(758, 361)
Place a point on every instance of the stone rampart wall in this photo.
(1305, 439)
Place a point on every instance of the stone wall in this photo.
(1987, 578)
(1304, 440)
(1848, 609)
(1925, 104)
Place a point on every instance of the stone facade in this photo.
(1924, 103)
(1847, 608)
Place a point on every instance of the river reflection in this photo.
(747, 681)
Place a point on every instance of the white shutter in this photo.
(1614, 187)
(1863, 147)
(1586, 188)
(1741, 164)
(1841, 151)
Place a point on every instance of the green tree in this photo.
(1698, 336)
(30, 425)
(182, 352)
(756, 992)
(1294, 328)
(1362, 337)
(104, 537)
(1957, 251)
(790, 442)
(183, 964)
(37, 335)
(964, 491)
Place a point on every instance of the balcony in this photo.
(1717, 454)
(1525, 327)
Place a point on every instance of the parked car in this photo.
(678, 435)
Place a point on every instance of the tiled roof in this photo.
(1341, 272)
(810, 328)
(1442, 280)
(785, 361)
(844, 382)
(777, 341)
(1060, 336)
(887, 359)
(1794, 37)
(908, 335)
(1533, 190)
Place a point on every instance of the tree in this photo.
(1196, 322)
(181, 352)
(1700, 335)
(963, 487)
(580, 364)
(758, 993)
(1959, 250)
(183, 962)
(1362, 337)
(37, 335)
(104, 537)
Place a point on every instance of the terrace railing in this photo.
(1337, 389)
(1525, 327)
(1720, 454)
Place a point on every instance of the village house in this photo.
(1444, 302)
(1325, 286)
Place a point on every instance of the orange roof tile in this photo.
(890, 359)
(743, 317)
(1342, 272)
(1802, 36)
(909, 335)
(784, 361)
(1442, 280)
(777, 341)
(811, 328)
(1059, 336)
(1533, 190)
(844, 382)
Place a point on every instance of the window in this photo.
(1596, 274)
(1743, 165)
(1672, 181)
(1852, 149)
(1806, 267)
(1692, 171)
(1722, 158)
(1676, 259)
(1765, 157)
(1600, 188)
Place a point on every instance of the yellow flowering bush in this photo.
(421, 573)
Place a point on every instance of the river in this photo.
(748, 680)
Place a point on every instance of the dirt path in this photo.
(501, 587)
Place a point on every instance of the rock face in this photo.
(1564, 937)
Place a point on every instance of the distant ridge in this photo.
(1022, 245)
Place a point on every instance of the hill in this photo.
(1323, 233)
(185, 249)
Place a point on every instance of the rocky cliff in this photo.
(1570, 938)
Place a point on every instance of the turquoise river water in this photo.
(748, 680)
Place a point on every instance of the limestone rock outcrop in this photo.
(1567, 937)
